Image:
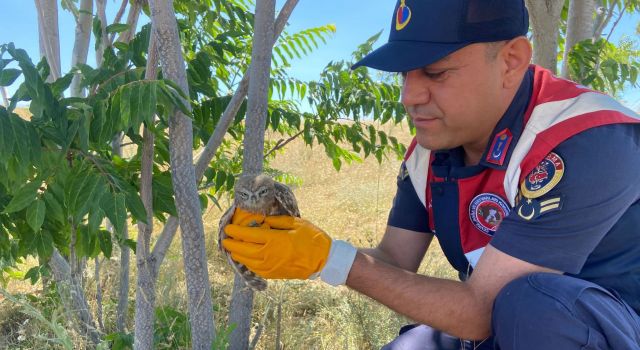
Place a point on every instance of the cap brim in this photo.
(403, 56)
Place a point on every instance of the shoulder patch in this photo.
(532, 208)
(544, 177)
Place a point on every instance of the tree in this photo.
(588, 57)
(545, 21)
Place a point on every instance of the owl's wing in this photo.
(224, 221)
(286, 199)
(251, 279)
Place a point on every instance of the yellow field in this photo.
(351, 204)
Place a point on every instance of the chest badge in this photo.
(543, 177)
(487, 211)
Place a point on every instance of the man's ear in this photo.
(516, 57)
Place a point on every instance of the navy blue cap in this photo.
(425, 31)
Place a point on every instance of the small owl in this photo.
(258, 194)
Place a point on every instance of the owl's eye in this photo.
(244, 195)
(263, 192)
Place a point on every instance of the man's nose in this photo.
(415, 90)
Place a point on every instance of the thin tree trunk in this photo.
(545, 21)
(132, 22)
(125, 260)
(184, 180)
(5, 98)
(101, 13)
(147, 266)
(98, 294)
(73, 296)
(81, 44)
(49, 35)
(69, 288)
(260, 70)
(580, 26)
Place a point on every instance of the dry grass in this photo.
(351, 204)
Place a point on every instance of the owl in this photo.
(258, 194)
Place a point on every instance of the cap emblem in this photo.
(403, 15)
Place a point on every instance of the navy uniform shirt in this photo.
(592, 233)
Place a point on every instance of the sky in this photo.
(355, 20)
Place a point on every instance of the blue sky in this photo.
(355, 21)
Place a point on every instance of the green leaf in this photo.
(113, 206)
(35, 214)
(117, 28)
(96, 215)
(40, 242)
(33, 274)
(8, 76)
(54, 208)
(104, 239)
(23, 197)
(134, 204)
(62, 84)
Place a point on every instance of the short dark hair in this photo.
(493, 48)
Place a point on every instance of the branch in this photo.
(236, 101)
(615, 24)
(132, 22)
(282, 142)
(600, 26)
(120, 12)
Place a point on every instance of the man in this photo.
(528, 181)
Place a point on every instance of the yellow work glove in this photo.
(245, 218)
(292, 248)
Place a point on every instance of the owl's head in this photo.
(255, 193)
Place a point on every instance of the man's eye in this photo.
(435, 75)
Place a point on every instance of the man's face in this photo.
(456, 101)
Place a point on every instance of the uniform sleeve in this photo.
(561, 228)
(407, 211)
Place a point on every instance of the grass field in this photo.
(351, 204)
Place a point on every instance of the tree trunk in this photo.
(101, 13)
(69, 288)
(132, 21)
(81, 44)
(72, 295)
(144, 311)
(5, 98)
(184, 180)
(545, 23)
(98, 294)
(260, 70)
(49, 36)
(580, 26)
(147, 266)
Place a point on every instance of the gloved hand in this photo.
(292, 248)
(245, 218)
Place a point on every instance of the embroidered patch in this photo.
(403, 16)
(486, 212)
(499, 147)
(531, 208)
(403, 174)
(544, 177)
